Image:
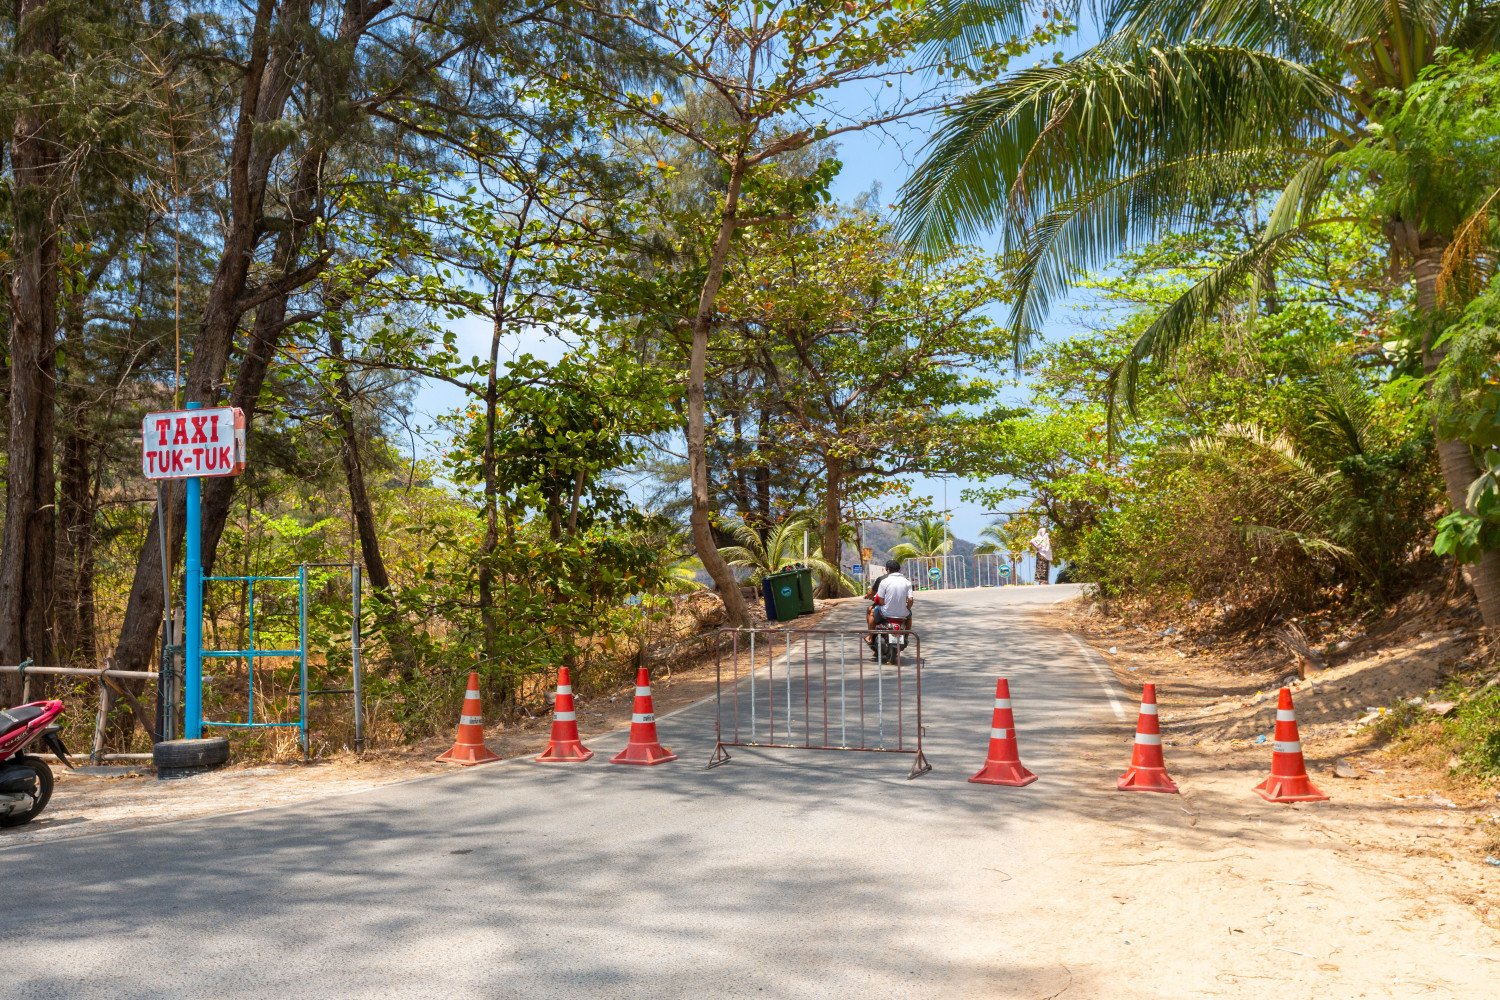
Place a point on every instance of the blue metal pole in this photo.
(302, 650)
(192, 581)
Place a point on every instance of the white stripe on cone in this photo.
(1289, 747)
(1002, 703)
(643, 692)
(565, 689)
(643, 717)
(1000, 734)
(565, 716)
(1286, 715)
(1148, 709)
(471, 720)
(1149, 739)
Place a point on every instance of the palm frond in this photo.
(1293, 500)
(1470, 261)
(1477, 29)
(1084, 233)
(962, 27)
(1342, 405)
(1296, 30)
(905, 550)
(1311, 545)
(1051, 134)
(744, 556)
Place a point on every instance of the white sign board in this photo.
(178, 444)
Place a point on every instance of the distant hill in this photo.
(882, 536)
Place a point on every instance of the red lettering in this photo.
(198, 424)
(162, 425)
(224, 457)
(210, 457)
(180, 435)
(177, 465)
(214, 427)
(150, 462)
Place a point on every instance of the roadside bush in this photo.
(1475, 729)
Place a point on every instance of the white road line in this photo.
(1105, 681)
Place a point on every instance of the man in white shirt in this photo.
(893, 598)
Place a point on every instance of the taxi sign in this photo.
(180, 444)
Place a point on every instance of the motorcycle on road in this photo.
(26, 781)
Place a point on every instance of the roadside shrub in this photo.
(1475, 728)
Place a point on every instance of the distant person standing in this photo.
(1041, 544)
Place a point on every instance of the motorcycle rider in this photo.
(891, 597)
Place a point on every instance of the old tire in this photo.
(43, 789)
(174, 755)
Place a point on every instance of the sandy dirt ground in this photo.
(1396, 813)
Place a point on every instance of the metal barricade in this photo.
(819, 689)
(950, 572)
(994, 569)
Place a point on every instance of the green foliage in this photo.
(1180, 109)
(1273, 464)
(1436, 147)
(1475, 729)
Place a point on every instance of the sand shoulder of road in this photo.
(1395, 809)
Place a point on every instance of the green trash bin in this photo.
(784, 597)
(804, 590)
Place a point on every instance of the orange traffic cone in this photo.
(643, 747)
(564, 746)
(1288, 781)
(1003, 765)
(1148, 772)
(469, 748)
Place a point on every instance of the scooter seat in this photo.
(14, 718)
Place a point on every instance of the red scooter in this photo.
(26, 781)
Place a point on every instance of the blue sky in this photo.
(881, 159)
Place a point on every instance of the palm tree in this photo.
(992, 539)
(925, 538)
(1182, 105)
(781, 547)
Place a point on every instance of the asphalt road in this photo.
(784, 873)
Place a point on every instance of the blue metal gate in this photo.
(252, 654)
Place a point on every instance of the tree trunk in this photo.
(489, 622)
(833, 543)
(26, 558)
(1455, 457)
(77, 503)
(697, 429)
(354, 473)
(763, 471)
(77, 639)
